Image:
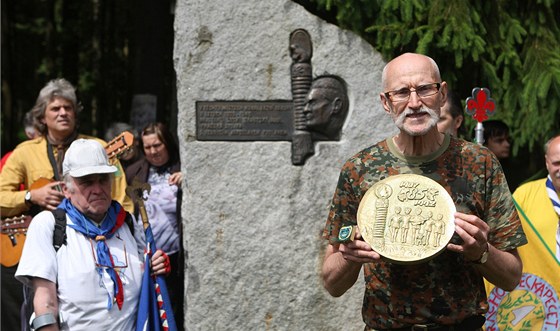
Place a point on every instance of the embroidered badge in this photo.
(346, 234)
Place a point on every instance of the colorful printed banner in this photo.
(533, 304)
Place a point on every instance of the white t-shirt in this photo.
(82, 297)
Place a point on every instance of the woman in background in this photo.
(161, 168)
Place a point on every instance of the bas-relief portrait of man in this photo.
(326, 107)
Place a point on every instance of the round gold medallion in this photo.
(407, 218)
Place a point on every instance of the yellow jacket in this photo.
(30, 162)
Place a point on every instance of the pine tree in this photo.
(510, 47)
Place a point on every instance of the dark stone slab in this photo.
(244, 120)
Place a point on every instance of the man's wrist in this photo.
(28, 198)
(483, 257)
(42, 321)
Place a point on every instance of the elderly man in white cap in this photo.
(93, 280)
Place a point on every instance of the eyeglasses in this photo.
(118, 264)
(423, 91)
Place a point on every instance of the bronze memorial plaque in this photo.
(316, 112)
(407, 218)
(244, 120)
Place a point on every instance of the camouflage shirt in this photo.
(445, 289)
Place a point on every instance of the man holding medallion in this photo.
(443, 291)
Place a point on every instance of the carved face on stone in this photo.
(300, 46)
(326, 106)
(319, 108)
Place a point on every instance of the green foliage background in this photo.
(112, 50)
(511, 47)
(109, 50)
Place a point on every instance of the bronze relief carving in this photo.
(407, 218)
(326, 107)
(316, 112)
(301, 51)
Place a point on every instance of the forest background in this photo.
(113, 50)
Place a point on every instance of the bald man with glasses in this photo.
(445, 292)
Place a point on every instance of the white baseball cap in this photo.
(85, 157)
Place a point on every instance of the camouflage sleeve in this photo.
(345, 202)
(506, 232)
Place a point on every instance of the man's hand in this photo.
(47, 197)
(503, 268)
(160, 263)
(343, 262)
(358, 250)
(474, 233)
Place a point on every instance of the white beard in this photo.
(399, 120)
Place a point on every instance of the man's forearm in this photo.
(45, 301)
(503, 269)
(339, 274)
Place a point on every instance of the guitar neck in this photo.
(12, 239)
(18, 224)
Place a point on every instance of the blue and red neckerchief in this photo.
(113, 221)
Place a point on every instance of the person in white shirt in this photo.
(93, 281)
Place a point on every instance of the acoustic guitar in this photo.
(14, 229)
(13, 236)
